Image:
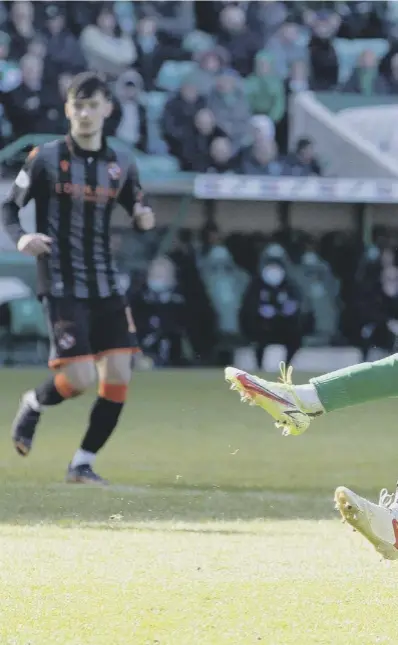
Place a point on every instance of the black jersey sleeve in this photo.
(131, 192)
(27, 183)
(25, 187)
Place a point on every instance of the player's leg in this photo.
(70, 356)
(113, 345)
(294, 406)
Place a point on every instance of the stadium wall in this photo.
(346, 152)
(241, 216)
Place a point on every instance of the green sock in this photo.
(358, 384)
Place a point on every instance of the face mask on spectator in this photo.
(273, 275)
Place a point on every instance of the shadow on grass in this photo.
(127, 507)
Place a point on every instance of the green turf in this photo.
(216, 530)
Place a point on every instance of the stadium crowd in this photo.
(208, 84)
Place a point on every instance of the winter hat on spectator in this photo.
(264, 124)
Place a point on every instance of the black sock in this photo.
(47, 393)
(103, 420)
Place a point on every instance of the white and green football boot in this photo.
(378, 523)
(278, 399)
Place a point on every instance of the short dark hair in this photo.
(85, 84)
(303, 143)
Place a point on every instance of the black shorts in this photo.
(87, 328)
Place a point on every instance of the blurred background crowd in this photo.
(213, 294)
(208, 85)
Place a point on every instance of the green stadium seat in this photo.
(16, 265)
(27, 326)
(157, 166)
(27, 318)
(348, 52)
(172, 73)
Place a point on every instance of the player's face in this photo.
(87, 115)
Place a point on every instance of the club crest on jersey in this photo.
(64, 165)
(114, 171)
(67, 341)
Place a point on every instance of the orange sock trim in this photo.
(63, 387)
(113, 392)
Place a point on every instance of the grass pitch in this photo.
(216, 530)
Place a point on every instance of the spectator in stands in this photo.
(178, 117)
(230, 107)
(105, 49)
(64, 53)
(298, 78)
(265, 18)
(261, 158)
(195, 149)
(324, 66)
(210, 63)
(391, 81)
(365, 78)
(320, 289)
(151, 53)
(174, 20)
(80, 14)
(302, 162)
(132, 126)
(3, 13)
(360, 19)
(21, 28)
(10, 73)
(223, 157)
(297, 81)
(38, 47)
(385, 62)
(208, 14)
(225, 283)
(271, 311)
(200, 315)
(160, 313)
(262, 128)
(265, 90)
(23, 105)
(52, 114)
(375, 304)
(125, 15)
(241, 43)
(285, 47)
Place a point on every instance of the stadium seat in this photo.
(17, 265)
(157, 166)
(172, 73)
(349, 50)
(27, 324)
